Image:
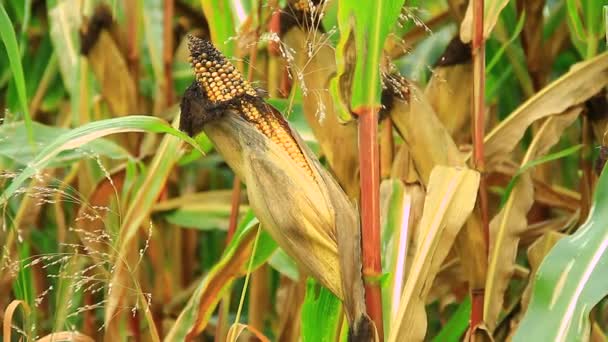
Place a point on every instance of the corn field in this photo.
(304, 170)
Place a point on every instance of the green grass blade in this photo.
(222, 25)
(233, 263)
(503, 48)
(12, 50)
(571, 279)
(550, 157)
(457, 325)
(82, 135)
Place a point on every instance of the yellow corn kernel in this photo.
(221, 82)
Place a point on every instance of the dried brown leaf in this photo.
(507, 227)
(8, 317)
(430, 144)
(66, 336)
(449, 91)
(584, 80)
(112, 72)
(338, 140)
(450, 199)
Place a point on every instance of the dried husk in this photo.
(312, 219)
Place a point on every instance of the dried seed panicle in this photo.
(221, 81)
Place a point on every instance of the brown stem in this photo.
(370, 213)
(132, 43)
(234, 208)
(168, 50)
(478, 149)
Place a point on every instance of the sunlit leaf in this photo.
(571, 279)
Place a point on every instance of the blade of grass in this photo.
(550, 157)
(9, 39)
(453, 330)
(89, 132)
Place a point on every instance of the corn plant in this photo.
(303, 170)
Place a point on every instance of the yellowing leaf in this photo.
(569, 90)
(449, 201)
(507, 227)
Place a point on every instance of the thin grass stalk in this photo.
(168, 49)
(370, 213)
(478, 149)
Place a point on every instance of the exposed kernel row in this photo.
(222, 82)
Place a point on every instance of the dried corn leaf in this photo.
(582, 82)
(450, 199)
(112, 72)
(507, 227)
(539, 229)
(449, 90)
(429, 142)
(338, 140)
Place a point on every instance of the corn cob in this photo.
(224, 87)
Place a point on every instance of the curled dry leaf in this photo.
(296, 200)
(507, 227)
(449, 201)
(583, 81)
(8, 317)
(73, 336)
(429, 144)
(449, 92)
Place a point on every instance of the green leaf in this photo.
(550, 157)
(221, 24)
(364, 26)
(571, 279)
(457, 325)
(80, 136)
(501, 51)
(14, 56)
(14, 145)
(197, 312)
(320, 314)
